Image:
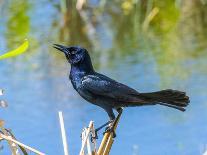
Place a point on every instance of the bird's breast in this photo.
(77, 85)
(75, 77)
(76, 82)
(86, 95)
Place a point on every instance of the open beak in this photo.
(60, 47)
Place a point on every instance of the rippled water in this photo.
(170, 52)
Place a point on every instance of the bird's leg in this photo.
(101, 127)
(112, 118)
(112, 127)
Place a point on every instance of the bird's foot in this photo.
(99, 128)
(94, 136)
(111, 130)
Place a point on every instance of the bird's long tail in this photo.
(171, 98)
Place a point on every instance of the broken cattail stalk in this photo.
(108, 140)
(86, 137)
(89, 147)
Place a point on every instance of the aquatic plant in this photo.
(21, 49)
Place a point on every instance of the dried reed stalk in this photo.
(108, 140)
(64, 139)
(10, 139)
(86, 137)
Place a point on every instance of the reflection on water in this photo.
(170, 52)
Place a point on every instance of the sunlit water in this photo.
(36, 84)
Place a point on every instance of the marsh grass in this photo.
(15, 147)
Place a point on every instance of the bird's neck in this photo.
(77, 72)
(81, 69)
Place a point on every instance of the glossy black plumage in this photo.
(109, 94)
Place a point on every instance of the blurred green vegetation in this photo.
(18, 22)
(171, 31)
(15, 52)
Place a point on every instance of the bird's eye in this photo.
(73, 52)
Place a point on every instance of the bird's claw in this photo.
(94, 136)
(111, 130)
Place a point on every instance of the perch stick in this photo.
(103, 143)
(107, 141)
(108, 145)
(110, 139)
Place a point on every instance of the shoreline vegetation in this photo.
(16, 147)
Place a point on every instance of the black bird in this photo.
(109, 94)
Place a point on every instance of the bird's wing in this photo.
(106, 87)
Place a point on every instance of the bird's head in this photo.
(74, 54)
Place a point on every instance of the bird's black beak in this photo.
(60, 47)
